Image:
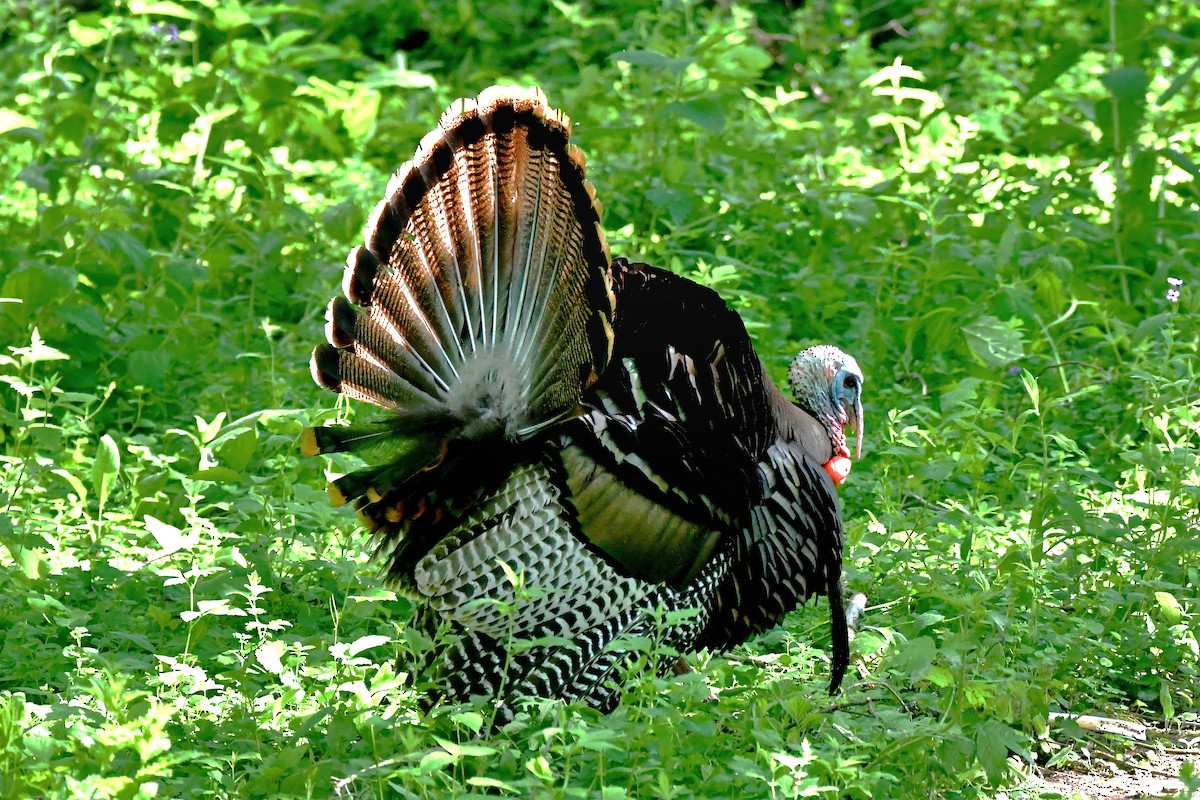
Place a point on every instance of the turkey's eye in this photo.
(850, 382)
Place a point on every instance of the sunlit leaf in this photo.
(366, 643)
(269, 655)
(169, 538)
(105, 468)
(1171, 609)
(10, 120)
(162, 8)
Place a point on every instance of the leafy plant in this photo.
(994, 211)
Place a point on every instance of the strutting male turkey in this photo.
(598, 431)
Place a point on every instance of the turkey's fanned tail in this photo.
(479, 306)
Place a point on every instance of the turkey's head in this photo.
(828, 383)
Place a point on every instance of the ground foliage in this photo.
(984, 201)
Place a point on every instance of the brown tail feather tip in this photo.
(340, 319)
(324, 367)
(521, 99)
(361, 266)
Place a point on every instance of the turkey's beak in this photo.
(853, 414)
(856, 419)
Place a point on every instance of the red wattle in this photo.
(838, 468)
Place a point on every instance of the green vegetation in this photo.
(984, 205)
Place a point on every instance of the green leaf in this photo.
(927, 618)
(915, 657)
(996, 343)
(705, 112)
(1031, 389)
(74, 482)
(746, 61)
(125, 243)
(105, 468)
(148, 367)
(227, 17)
(38, 351)
(1171, 609)
(236, 451)
(1182, 161)
(1050, 68)
(471, 720)
(893, 73)
(37, 285)
(434, 761)
(1164, 699)
(1008, 244)
(652, 59)
(490, 783)
(1120, 115)
(1127, 84)
(218, 475)
(1129, 29)
(208, 430)
(460, 750)
(940, 676)
(361, 112)
(25, 549)
(1181, 80)
(88, 35)
(86, 318)
(993, 740)
(162, 8)
(540, 767)
(515, 579)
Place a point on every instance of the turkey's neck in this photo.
(795, 424)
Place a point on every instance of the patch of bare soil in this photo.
(1147, 770)
(1118, 782)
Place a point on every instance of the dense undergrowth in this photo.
(990, 206)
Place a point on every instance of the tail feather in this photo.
(355, 376)
(482, 287)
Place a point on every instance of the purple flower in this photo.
(1014, 371)
(168, 32)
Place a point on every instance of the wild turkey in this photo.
(600, 432)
